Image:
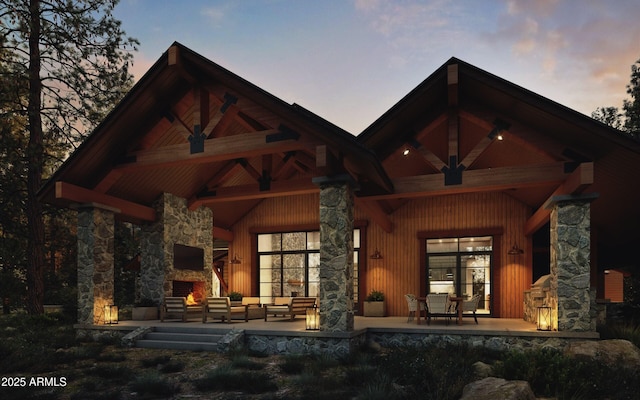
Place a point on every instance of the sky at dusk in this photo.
(349, 61)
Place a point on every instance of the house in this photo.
(469, 184)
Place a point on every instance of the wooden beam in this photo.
(576, 183)
(429, 156)
(452, 84)
(493, 179)
(77, 194)
(246, 145)
(479, 148)
(108, 181)
(252, 192)
(453, 136)
(376, 213)
(221, 233)
(229, 169)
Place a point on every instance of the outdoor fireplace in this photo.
(184, 288)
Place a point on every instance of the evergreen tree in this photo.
(73, 59)
(628, 120)
(632, 107)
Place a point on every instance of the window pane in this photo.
(269, 242)
(475, 244)
(447, 245)
(293, 273)
(294, 241)
(313, 240)
(356, 238)
(442, 271)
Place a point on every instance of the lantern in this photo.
(544, 318)
(110, 314)
(313, 319)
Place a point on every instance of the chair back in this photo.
(217, 304)
(412, 303)
(471, 304)
(438, 303)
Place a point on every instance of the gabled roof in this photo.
(459, 110)
(143, 146)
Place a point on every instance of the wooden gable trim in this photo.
(576, 183)
(128, 209)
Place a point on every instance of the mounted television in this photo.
(188, 257)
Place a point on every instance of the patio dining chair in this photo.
(471, 305)
(412, 303)
(439, 305)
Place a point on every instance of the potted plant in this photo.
(374, 304)
(235, 298)
(145, 309)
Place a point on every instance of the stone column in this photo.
(570, 262)
(95, 262)
(336, 254)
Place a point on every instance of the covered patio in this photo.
(469, 185)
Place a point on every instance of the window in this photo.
(461, 266)
(289, 264)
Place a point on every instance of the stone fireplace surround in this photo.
(175, 224)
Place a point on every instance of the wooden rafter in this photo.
(217, 149)
(128, 209)
(223, 174)
(252, 192)
(576, 183)
(493, 179)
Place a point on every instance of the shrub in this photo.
(235, 296)
(375, 295)
(226, 378)
(154, 384)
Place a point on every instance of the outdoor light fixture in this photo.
(110, 314)
(235, 260)
(515, 250)
(376, 255)
(405, 152)
(544, 318)
(313, 319)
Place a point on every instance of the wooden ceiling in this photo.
(194, 129)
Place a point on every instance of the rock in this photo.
(482, 370)
(610, 352)
(497, 388)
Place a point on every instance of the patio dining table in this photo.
(458, 300)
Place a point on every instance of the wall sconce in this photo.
(376, 255)
(235, 260)
(515, 250)
(313, 319)
(110, 314)
(544, 318)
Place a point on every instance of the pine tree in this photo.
(73, 58)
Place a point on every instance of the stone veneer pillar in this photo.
(570, 262)
(336, 254)
(95, 262)
(175, 224)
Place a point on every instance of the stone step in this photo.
(182, 338)
(177, 345)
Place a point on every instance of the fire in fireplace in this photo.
(186, 288)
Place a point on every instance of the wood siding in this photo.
(399, 271)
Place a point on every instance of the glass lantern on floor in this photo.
(313, 319)
(544, 318)
(110, 314)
